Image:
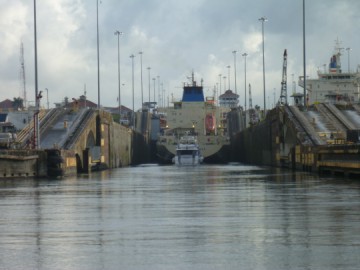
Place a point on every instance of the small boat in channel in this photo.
(187, 152)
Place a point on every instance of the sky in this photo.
(176, 38)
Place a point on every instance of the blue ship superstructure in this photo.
(193, 92)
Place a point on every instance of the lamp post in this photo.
(220, 84)
(263, 19)
(118, 33)
(47, 97)
(244, 55)
(224, 77)
(149, 83)
(158, 77)
(154, 88)
(304, 54)
(234, 53)
(37, 105)
(133, 97)
(162, 95)
(141, 80)
(229, 76)
(274, 105)
(98, 54)
(348, 50)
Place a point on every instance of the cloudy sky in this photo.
(176, 38)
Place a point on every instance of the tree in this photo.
(18, 103)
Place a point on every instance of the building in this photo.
(229, 99)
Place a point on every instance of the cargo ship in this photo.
(334, 85)
(195, 115)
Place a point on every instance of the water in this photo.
(165, 217)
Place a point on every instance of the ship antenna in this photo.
(337, 46)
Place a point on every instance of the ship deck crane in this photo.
(283, 94)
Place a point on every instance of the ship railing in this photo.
(78, 127)
(26, 133)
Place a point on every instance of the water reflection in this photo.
(165, 217)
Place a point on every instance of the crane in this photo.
(22, 74)
(283, 94)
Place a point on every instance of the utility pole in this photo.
(37, 95)
(245, 55)
(304, 54)
(141, 79)
(118, 33)
(98, 53)
(234, 52)
(149, 68)
(133, 92)
(263, 19)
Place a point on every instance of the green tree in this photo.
(18, 103)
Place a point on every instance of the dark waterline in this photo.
(165, 217)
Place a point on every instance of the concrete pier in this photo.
(73, 142)
(323, 138)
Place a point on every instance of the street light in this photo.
(304, 55)
(348, 50)
(37, 101)
(224, 77)
(229, 76)
(154, 89)
(118, 33)
(149, 84)
(234, 52)
(158, 77)
(133, 97)
(47, 97)
(220, 84)
(244, 55)
(141, 80)
(263, 19)
(98, 54)
(162, 95)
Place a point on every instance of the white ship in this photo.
(333, 85)
(188, 152)
(196, 116)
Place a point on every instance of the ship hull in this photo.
(195, 116)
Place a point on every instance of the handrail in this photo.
(78, 128)
(304, 125)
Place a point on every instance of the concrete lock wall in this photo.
(120, 141)
(24, 163)
(102, 144)
(258, 144)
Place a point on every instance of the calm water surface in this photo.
(164, 217)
